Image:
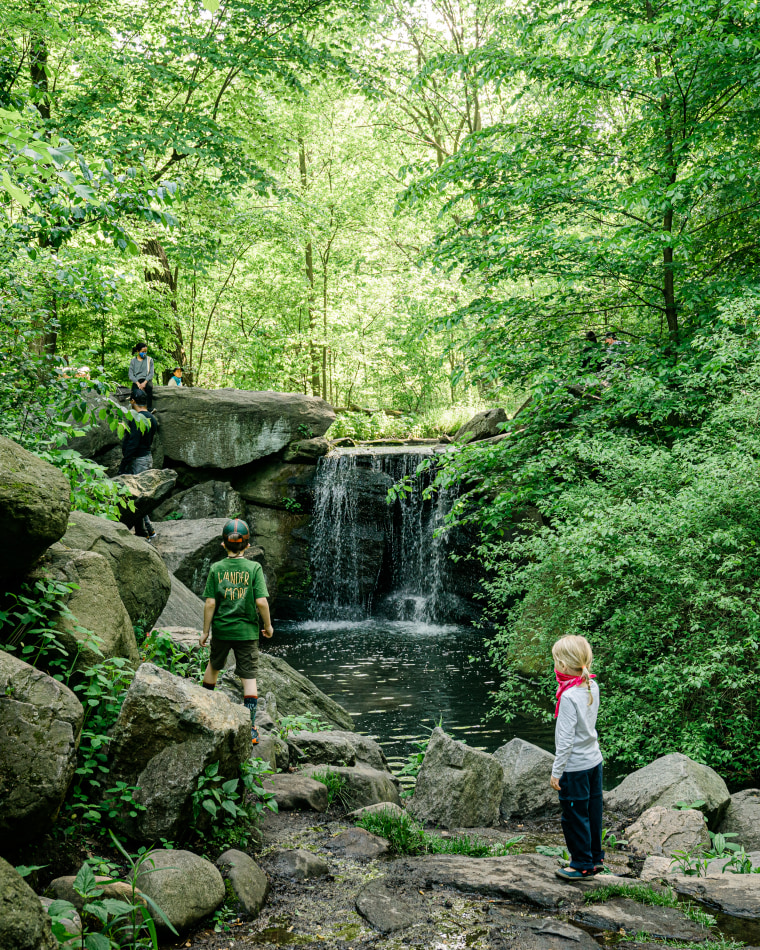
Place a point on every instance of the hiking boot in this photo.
(573, 874)
(254, 735)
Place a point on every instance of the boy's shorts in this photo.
(246, 656)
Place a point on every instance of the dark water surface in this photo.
(398, 678)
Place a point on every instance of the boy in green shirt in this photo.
(234, 590)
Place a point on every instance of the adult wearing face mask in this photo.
(141, 372)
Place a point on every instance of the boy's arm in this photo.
(263, 604)
(208, 615)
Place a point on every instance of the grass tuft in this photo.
(336, 788)
(406, 836)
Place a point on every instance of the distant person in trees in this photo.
(176, 377)
(141, 372)
(577, 770)
(136, 455)
(236, 594)
(591, 357)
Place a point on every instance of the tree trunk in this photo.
(160, 276)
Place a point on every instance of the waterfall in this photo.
(368, 557)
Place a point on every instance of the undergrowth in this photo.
(406, 836)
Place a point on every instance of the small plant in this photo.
(406, 836)
(304, 431)
(227, 913)
(174, 516)
(692, 862)
(213, 796)
(740, 863)
(289, 724)
(720, 845)
(291, 504)
(159, 648)
(232, 804)
(689, 806)
(610, 839)
(553, 851)
(336, 788)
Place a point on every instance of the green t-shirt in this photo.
(235, 583)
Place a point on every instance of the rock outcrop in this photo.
(457, 787)
(666, 781)
(484, 425)
(24, 923)
(361, 785)
(307, 451)
(227, 428)
(336, 748)
(742, 817)
(662, 831)
(183, 608)
(146, 490)
(35, 499)
(527, 770)
(141, 575)
(40, 724)
(185, 886)
(248, 881)
(299, 865)
(212, 499)
(168, 732)
(297, 792)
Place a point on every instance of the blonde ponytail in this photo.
(574, 653)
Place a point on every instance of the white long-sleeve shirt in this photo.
(575, 739)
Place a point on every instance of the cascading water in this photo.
(369, 557)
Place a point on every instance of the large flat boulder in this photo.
(527, 770)
(737, 895)
(742, 817)
(24, 923)
(146, 491)
(664, 831)
(40, 724)
(623, 914)
(184, 608)
(212, 499)
(168, 732)
(336, 748)
(141, 575)
(457, 787)
(185, 886)
(227, 428)
(666, 781)
(297, 792)
(94, 606)
(35, 499)
(295, 695)
(189, 548)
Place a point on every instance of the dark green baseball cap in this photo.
(236, 530)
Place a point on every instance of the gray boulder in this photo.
(666, 781)
(527, 770)
(94, 606)
(362, 785)
(307, 451)
(40, 724)
(24, 923)
(297, 792)
(624, 915)
(457, 787)
(189, 548)
(146, 491)
(141, 575)
(183, 608)
(299, 865)
(35, 499)
(168, 732)
(663, 831)
(186, 887)
(358, 844)
(336, 748)
(62, 889)
(248, 881)
(212, 499)
(737, 895)
(743, 818)
(386, 910)
(295, 695)
(379, 808)
(283, 538)
(227, 428)
(484, 425)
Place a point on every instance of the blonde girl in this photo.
(577, 771)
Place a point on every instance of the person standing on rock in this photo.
(577, 770)
(142, 369)
(136, 455)
(236, 593)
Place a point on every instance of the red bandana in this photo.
(565, 682)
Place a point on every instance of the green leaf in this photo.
(211, 5)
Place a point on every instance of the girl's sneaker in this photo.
(573, 874)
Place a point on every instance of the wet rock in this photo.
(226, 428)
(40, 724)
(299, 865)
(24, 923)
(248, 881)
(147, 490)
(737, 895)
(278, 485)
(294, 694)
(307, 451)
(359, 844)
(94, 606)
(212, 499)
(185, 886)
(337, 748)
(545, 933)
(457, 787)
(484, 425)
(189, 548)
(283, 536)
(743, 818)
(363, 786)
(183, 608)
(168, 732)
(386, 910)
(662, 831)
(35, 499)
(621, 914)
(387, 808)
(295, 792)
(527, 770)
(667, 781)
(140, 574)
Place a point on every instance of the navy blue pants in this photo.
(580, 797)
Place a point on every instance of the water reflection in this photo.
(398, 678)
